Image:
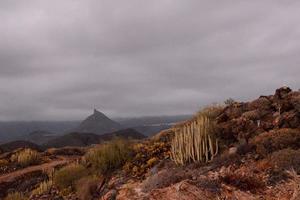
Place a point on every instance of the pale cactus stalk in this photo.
(194, 141)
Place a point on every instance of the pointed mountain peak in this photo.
(97, 112)
(98, 123)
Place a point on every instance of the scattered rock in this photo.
(111, 195)
(232, 150)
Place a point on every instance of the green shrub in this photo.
(67, 176)
(15, 196)
(26, 157)
(109, 156)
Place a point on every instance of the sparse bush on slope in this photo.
(86, 186)
(286, 159)
(3, 162)
(229, 101)
(146, 156)
(244, 181)
(26, 157)
(275, 140)
(109, 156)
(67, 176)
(15, 196)
(43, 188)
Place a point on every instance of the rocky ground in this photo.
(259, 159)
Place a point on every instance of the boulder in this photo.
(241, 121)
(282, 92)
(262, 103)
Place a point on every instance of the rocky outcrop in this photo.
(271, 124)
(241, 121)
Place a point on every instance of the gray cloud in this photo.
(59, 59)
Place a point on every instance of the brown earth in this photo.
(10, 181)
(260, 146)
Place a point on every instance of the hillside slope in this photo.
(15, 130)
(258, 157)
(39, 137)
(11, 146)
(86, 139)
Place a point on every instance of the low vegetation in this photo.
(146, 155)
(86, 186)
(66, 151)
(244, 181)
(163, 179)
(286, 159)
(67, 176)
(43, 188)
(229, 101)
(109, 156)
(15, 196)
(26, 157)
(275, 140)
(3, 162)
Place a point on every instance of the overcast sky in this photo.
(61, 58)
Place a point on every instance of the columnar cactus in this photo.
(194, 141)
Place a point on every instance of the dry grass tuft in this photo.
(146, 157)
(286, 159)
(43, 188)
(109, 156)
(26, 157)
(67, 176)
(244, 181)
(212, 111)
(15, 196)
(3, 162)
(275, 140)
(296, 183)
(86, 186)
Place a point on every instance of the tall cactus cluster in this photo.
(195, 140)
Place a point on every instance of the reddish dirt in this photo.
(10, 177)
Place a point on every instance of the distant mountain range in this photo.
(11, 146)
(72, 140)
(40, 137)
(10, 131)
(86, 139)
(42, 131)
(149, 126)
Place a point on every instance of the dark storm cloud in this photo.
(60, 59)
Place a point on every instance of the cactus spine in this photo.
(194, 141)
